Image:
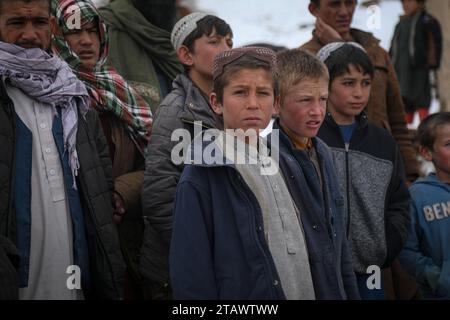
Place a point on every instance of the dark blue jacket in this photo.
(94, 186)
(218, 249)
(321, 212)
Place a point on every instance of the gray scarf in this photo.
(49, 80)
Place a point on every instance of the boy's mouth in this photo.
(252, 119)
(313, 124)
(86, 54)
(357, 105)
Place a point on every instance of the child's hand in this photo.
(326, 33)
(119, 208)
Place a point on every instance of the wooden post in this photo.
(441, 10)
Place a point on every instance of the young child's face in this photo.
(248, 100)
(440, 156)
(349, 94)
(411, 7)
(205, 49)
(304, 106)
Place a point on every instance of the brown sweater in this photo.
(385, 106)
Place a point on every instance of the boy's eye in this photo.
(335, 4)
(348, 83)
(239, 92)
(74, 31)
(367, 83)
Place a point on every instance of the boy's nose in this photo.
(85, 37)
(252, 102)
(358, 91)
(224, 45)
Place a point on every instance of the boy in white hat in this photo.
(197, 39)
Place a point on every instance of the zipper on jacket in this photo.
(347, 187)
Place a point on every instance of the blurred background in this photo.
(288, 23)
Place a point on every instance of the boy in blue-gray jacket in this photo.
(369, 167)
(426, 255)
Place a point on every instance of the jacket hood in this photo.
(197, 107)
(432, 180)
(217, 148)
(361, 119)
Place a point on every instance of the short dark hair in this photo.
(317, 2)
(419, 1)
(206, 26)
(244, 62)
(340, 60)
(426, 132)
(26, 1)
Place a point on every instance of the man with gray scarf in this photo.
(57, 238)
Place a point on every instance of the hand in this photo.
(326, 33)
(119, 208)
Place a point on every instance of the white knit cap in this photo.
(184, 27)
(327, 50)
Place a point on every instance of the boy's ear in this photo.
(277, 105)
(185, 56)
(425, 153)
(215, 104)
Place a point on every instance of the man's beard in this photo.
(160, 13)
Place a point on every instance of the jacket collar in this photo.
(361, 119)
(221, 148)
(287, 142)
(196, 107)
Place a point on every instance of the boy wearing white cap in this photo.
(197, 39)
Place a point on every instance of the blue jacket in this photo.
(427, 252)
(218, 249)
(322, 218)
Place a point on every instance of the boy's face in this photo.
(85, 42)
(248, 100)
(440, 156)
(349, 95)
(201, 60)
(304, 107)
(411, 7)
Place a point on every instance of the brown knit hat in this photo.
(227, 57)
